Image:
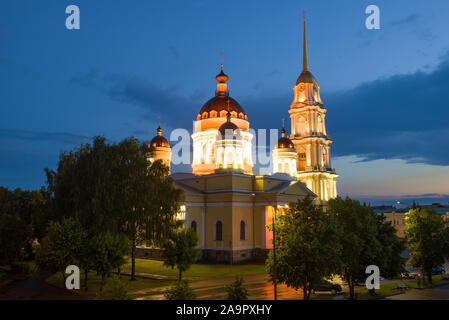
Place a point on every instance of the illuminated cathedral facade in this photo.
(225, 202)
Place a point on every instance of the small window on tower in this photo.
(213, 114)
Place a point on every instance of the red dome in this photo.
(220, 103)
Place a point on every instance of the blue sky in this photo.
(386, 90)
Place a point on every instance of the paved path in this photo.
(258, 286)
(435, 293)
(35, 287)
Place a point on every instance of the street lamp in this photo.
(274, 245)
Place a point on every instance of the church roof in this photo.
(159, 140)
(228, 127)
(220, 103)
(284, 142)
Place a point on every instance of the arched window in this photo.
(301, 125)
(193, 226)
(219, 231)
(324, 158)
(242, 230)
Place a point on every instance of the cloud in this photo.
(60, 137)
(153, 99)
(400, 117)
(410, 19)
(176, 52)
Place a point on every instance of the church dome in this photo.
(222, 77)
(306, 77)
(228, 127)
(159, 140)
(284, 142)
(222, 103)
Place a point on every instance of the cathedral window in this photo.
(193, 225)
(204, 115)
(213, 114)
(223, 114)
(242, 230)
(302, 160)
(219, 231)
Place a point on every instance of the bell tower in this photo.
(309, 135)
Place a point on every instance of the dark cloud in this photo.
(176, 52)
(60, 137)
(399, 117)
(410, 19)
(154, 100)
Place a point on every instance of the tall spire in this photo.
(283, 129)
(159, 130)
(305, 62)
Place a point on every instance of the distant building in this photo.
(397, 218)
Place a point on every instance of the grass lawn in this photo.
(94, 282)
(388, 289)
(196, 270)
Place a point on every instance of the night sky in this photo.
(386, 91)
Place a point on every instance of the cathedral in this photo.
(226, 203)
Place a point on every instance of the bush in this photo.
(29, 251)
(20, 267)
(236, 290)
(181, 291)
(115, 290)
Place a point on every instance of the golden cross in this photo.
(159, 119)
(304, 15)
(221, 55)
(283, 122)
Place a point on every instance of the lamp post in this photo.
(274, 244)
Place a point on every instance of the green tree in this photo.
(115, 290)
(358, 231)
(62, 246)
(181, 251)
(427, 236)
(20, 213)
(307, 247)
(388, 258)
(236, 290)
(180, 291)
(149, 201)
(107, 253)
(113, 187)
